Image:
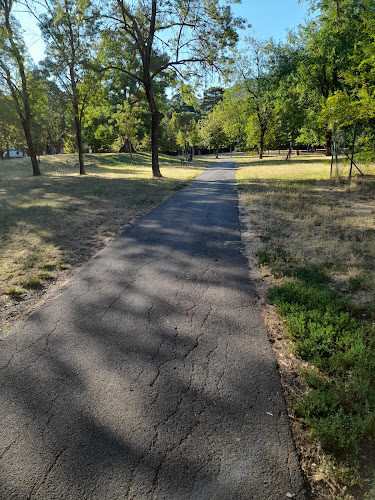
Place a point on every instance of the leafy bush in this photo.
(340, 405)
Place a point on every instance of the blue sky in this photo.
(267, 17)
(272, 18)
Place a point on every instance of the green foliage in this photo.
(167, 136)
(339, 407)
(70, 144)
(11, 133)
(212, 132)
(211, 98)
(126, 123)
(198, 33)
(232, 111)
(358, 282)
(186, 128)
(277, 259)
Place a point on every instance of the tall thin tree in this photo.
(14, 74)
(68, 30)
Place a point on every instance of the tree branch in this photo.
(118, 68)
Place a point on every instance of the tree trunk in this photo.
(261, 142)
(78, 127)
(79, 143)
(329, 144)
(155, 143)
(51, 148)
(289, 155)
(154, 128)
(77, 120)
(131, 153)
(31, 148)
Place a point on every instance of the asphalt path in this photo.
(149, 374)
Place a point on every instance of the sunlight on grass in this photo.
(319, 220)
(61, 218)
(317, 242)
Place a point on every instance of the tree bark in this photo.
(77, 119)
(289, 155)
(31, 149)
(261, 142)
(78, 127)
(329, 144)
(154, 129)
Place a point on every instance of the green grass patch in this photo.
(359, 282)
(15, 293)
(339, 407)
(33, 281)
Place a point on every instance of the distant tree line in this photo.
(108, 70)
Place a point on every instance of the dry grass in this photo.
(296, 206)
(57, 221)
(295, 211)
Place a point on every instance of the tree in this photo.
(163, 37)
(252, 72)
(127, 124)
(55, 117)
(186, 128)
(98, 133)
(289, 101)
(212, 133)
(10, 127)
(289, 113)
(68, 28)
(331, 41)
(354, 104)
(14, 74)
(233, 113)
(212, 97)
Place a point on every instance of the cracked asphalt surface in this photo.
(149, 375)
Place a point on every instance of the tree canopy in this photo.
(133, 72)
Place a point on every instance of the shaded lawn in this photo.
(60, 219)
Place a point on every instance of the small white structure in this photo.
(14, 153)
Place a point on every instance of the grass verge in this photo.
(317, 246)
(57, 221)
